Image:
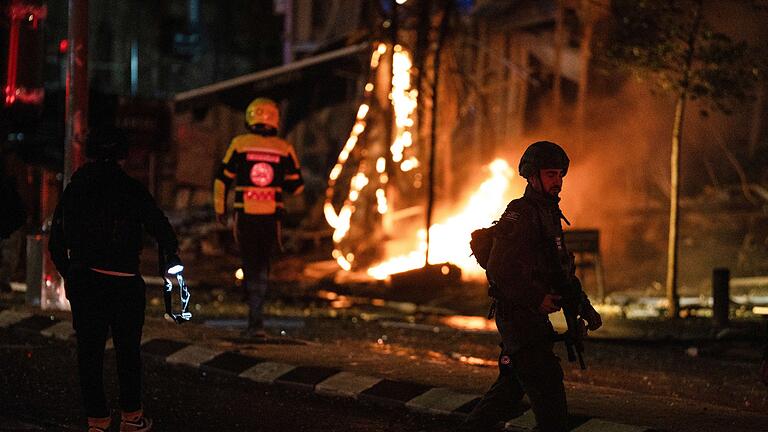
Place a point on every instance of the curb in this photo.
(324, 381)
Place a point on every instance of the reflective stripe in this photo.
(112, 273)
(259, 195)
(246, 188)
(263, 150)
(219, 196)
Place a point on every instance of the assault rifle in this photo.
(572, 297)
(571, 302)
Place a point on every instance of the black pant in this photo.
(101, 303)
(530, 368)
(534, 371)
(257, 236)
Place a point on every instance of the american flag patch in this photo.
(510, 216)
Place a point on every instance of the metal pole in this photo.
(288, 31)
(433, 124)
(720, 296)
(76, 117)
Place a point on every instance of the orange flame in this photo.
(450, 238)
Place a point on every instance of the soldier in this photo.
(523, 270)
(262, 166)
(95, 243)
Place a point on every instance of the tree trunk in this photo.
(585, 56)
(558, 60)
(673, 298)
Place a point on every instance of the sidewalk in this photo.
(218, 352)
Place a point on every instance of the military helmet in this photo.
(543, 155)
(262, 111)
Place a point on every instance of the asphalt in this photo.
(298, 374)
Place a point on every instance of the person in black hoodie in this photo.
(95, 243)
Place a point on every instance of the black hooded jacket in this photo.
(100, 219)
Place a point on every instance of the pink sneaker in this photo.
(99, 424)
(135, 422)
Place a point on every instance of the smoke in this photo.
(618, 183)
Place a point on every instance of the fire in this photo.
(403, 98)
(470, 323)
(450, 238)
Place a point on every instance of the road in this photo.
(40, 392)
(655, 384)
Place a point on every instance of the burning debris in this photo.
(371, 193)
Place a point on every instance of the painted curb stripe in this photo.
(598, 425)
(306, 378)
(35, 323)
(393, 393)
(8, 318)
(162, 347)
(440, 400)
(267, 372)
(346, 384)
(62, 330)
(325, 381)
(230, 363)
(192, 355)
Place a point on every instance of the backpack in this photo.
(481, 242)
(13, 214)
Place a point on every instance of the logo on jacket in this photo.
(262, 174)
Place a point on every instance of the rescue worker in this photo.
(95, 243)
(262, 167)
(523, 271)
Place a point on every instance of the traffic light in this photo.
(22, 58)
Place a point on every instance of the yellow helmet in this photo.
(262, 111)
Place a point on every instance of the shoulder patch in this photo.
(510, 215)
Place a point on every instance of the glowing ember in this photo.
(469, 323)
(474, 361)
(450, 238)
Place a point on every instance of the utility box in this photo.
(34, 269)
(585, 245)
(45, 288)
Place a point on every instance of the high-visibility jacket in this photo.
(262, 168)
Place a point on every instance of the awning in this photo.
(309, 75)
